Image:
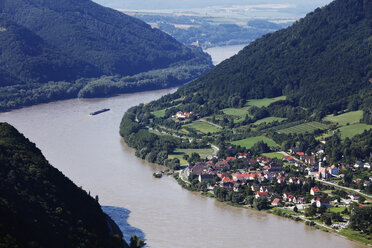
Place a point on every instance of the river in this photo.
(89, 150)
(220, 53)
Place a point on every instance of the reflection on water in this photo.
(120, 216)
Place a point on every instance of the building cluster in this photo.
(184, 115)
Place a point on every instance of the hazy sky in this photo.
(300, 5)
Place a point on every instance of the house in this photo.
(300, 200)
(275, 168)
(261, 195)
(277, 202)
(333, 170)
(367, 184)
(300, 154)
(255, 188)
(286, 195)
(313, 172)
(230, 159)
(314, 191)
(206, 177)
(198, 168)
(354, 197)
(222, 166)
(320, 202)
(227, 183)
(288, 158)
(294, 150)
(358, 164)
(281, 180)
(243, 155)
(236, 187)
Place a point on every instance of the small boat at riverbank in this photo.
(99, 111)
(157, 174)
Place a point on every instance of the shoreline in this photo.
(315, 225)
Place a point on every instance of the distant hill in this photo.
(40, 207)
(27, 58)
(110, 40)
(322, 62)
(44, 41)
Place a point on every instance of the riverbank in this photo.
(346, 233)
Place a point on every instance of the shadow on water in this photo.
(120, 216)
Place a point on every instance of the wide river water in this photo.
(90, 152)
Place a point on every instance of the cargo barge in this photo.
(99, 111)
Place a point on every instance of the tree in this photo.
(310, 211)
(136, 242)
(361, 199)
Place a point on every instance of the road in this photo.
(346, 188)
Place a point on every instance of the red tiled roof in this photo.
(315, 190)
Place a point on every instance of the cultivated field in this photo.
(203, 127)
(273, 155)
(309, 127)
(264, 102)
(269, 120)
(249, 142)
(179, 153)
(159, 113)
(350, 117)
(352, 130)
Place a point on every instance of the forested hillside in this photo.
(323, 62)
(298, 87)
(51, 49)
(40, 207)
(25, 57)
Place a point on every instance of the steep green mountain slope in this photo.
(323, 62)
(51, 50)
(113, 42)
(39, 206)
(25, 57)
(319, 67)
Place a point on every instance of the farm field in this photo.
(159, 113)
(305, 127)
(350, 117)
(249, 142)
(352, 130)
(241, 112)
(179, 153)
(269, 120)
(203, 127)
(273, 155)
(264, 102)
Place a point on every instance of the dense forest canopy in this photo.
(39, 206)
(322, 62)
(51, 50)
(105, 38)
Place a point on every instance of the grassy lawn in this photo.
(203, 127)
(269, 120)
(337, 210)
(236, 112)
(305, 127)
(352, 130)
(350, 117)
(157, 133)
(159, 113)
(273, 155)
(179, 153)
(264, 102)
(356, 236)
(249, 142)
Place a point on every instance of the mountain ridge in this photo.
(40, 207)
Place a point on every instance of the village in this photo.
(299, 186)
